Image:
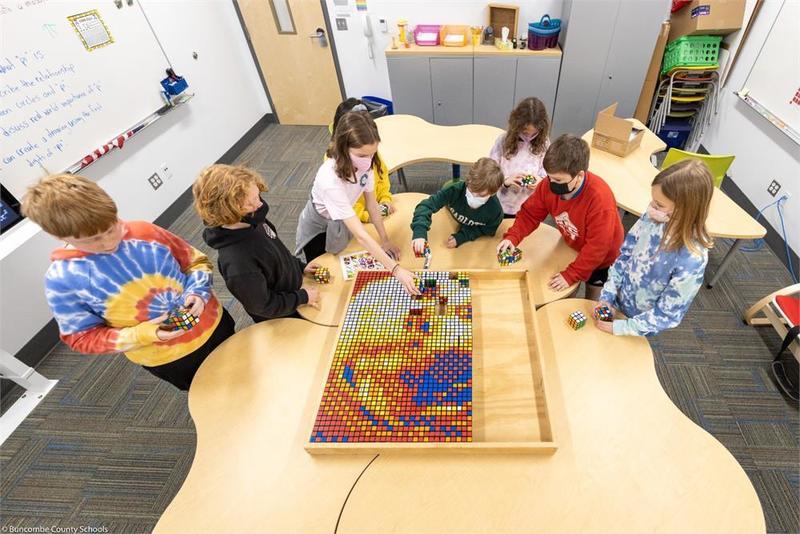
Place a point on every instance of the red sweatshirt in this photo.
(589, 223)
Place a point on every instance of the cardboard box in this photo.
(617, 136)
(707, 17)
(651, 80)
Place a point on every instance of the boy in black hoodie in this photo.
(257, 267)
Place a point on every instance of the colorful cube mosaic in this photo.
(182, 319)
(402, 367)
(322, 275)
(509, 256)
(603, 313)
(576, 320)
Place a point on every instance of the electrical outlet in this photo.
(773, 188)
(166, 174)
(155, 181)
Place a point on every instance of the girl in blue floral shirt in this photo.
(663, 258)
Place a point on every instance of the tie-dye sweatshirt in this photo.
(102, 301)
(654, 288)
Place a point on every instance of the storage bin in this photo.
(427, 34)
(692, 51)
(544, 34)
(454, 35)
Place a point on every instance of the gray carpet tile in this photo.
(111, 445)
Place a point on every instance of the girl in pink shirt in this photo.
(328, 221)
(520, 151)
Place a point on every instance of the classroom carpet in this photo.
(111, 445)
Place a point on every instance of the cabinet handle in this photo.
(609, 77)
(438, 103)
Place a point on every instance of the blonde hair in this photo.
(690, 185)
(353, 130)
(220, 192)
(485, 175)
(66, 205)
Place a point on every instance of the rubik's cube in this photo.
(576, 320)
(426, 251)
(603, 313)
(181, 319)
(528, 180)
(322, 275)
(384, 210)
(507, 257)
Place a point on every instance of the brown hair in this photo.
(690, 185)
(66, 205)
(529, 111)
(220, 192)
(569, 154)
(355, 129)
(485, 175)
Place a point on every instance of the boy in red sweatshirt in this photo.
(584, 210)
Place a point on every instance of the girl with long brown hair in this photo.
(663, 259)
(328, 221)
(520, 152)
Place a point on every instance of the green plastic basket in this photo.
(692, 51)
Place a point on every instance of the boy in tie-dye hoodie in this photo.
(115, 282)
(663, 258)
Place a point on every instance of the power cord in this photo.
(758, 244)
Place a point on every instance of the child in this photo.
(328, 220)
(472, 203)
(520, 151)
(116, 281)
(662, 262)
(257, 267)
(585, 213)
(382, 193)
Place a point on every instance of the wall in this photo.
(365, 76)
(230, 99)
(763, 152)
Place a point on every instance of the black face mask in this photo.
(258, 216)
(559, 189)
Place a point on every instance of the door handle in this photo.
(320, 34)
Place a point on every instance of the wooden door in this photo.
(299, 69)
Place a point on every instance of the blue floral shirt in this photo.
(654, 288)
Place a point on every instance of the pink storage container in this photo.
(427, 34)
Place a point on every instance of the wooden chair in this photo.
(785, 321)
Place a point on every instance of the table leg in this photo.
(622, 214)
(401, 176)
(725, 261)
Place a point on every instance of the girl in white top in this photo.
(328, 221)
(520, 151)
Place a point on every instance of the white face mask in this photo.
(656, 214)
(474, 201)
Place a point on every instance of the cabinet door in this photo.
(494, 90)
(410, 81)
(537, 76)
(451, 82)
(635, 34)
(589, 29)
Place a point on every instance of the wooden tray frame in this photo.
(546, 445)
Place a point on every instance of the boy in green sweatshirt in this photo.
(472, 203)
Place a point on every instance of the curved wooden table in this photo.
(629, 460)
(544, 253)
(630, 179)
(407, 139)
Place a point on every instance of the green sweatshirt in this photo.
(474, 223)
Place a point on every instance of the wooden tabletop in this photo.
(407, 139)
(630, 178)
(628, 461)
(544, 253)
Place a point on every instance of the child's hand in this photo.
(505, 244)
(451, 242)
(514, 182)
(418, 245)
(406, 279)
(311, 268)
(313, 296)
(389, 208)
(557, 283)
(163, 334)
(604, 326)
(194, 305)
(391, 249)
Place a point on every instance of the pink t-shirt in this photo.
(523, 162)
(333, 198)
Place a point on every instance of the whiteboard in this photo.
(773, 85)
(61, 99)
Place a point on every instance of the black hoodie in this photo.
(258, 268)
